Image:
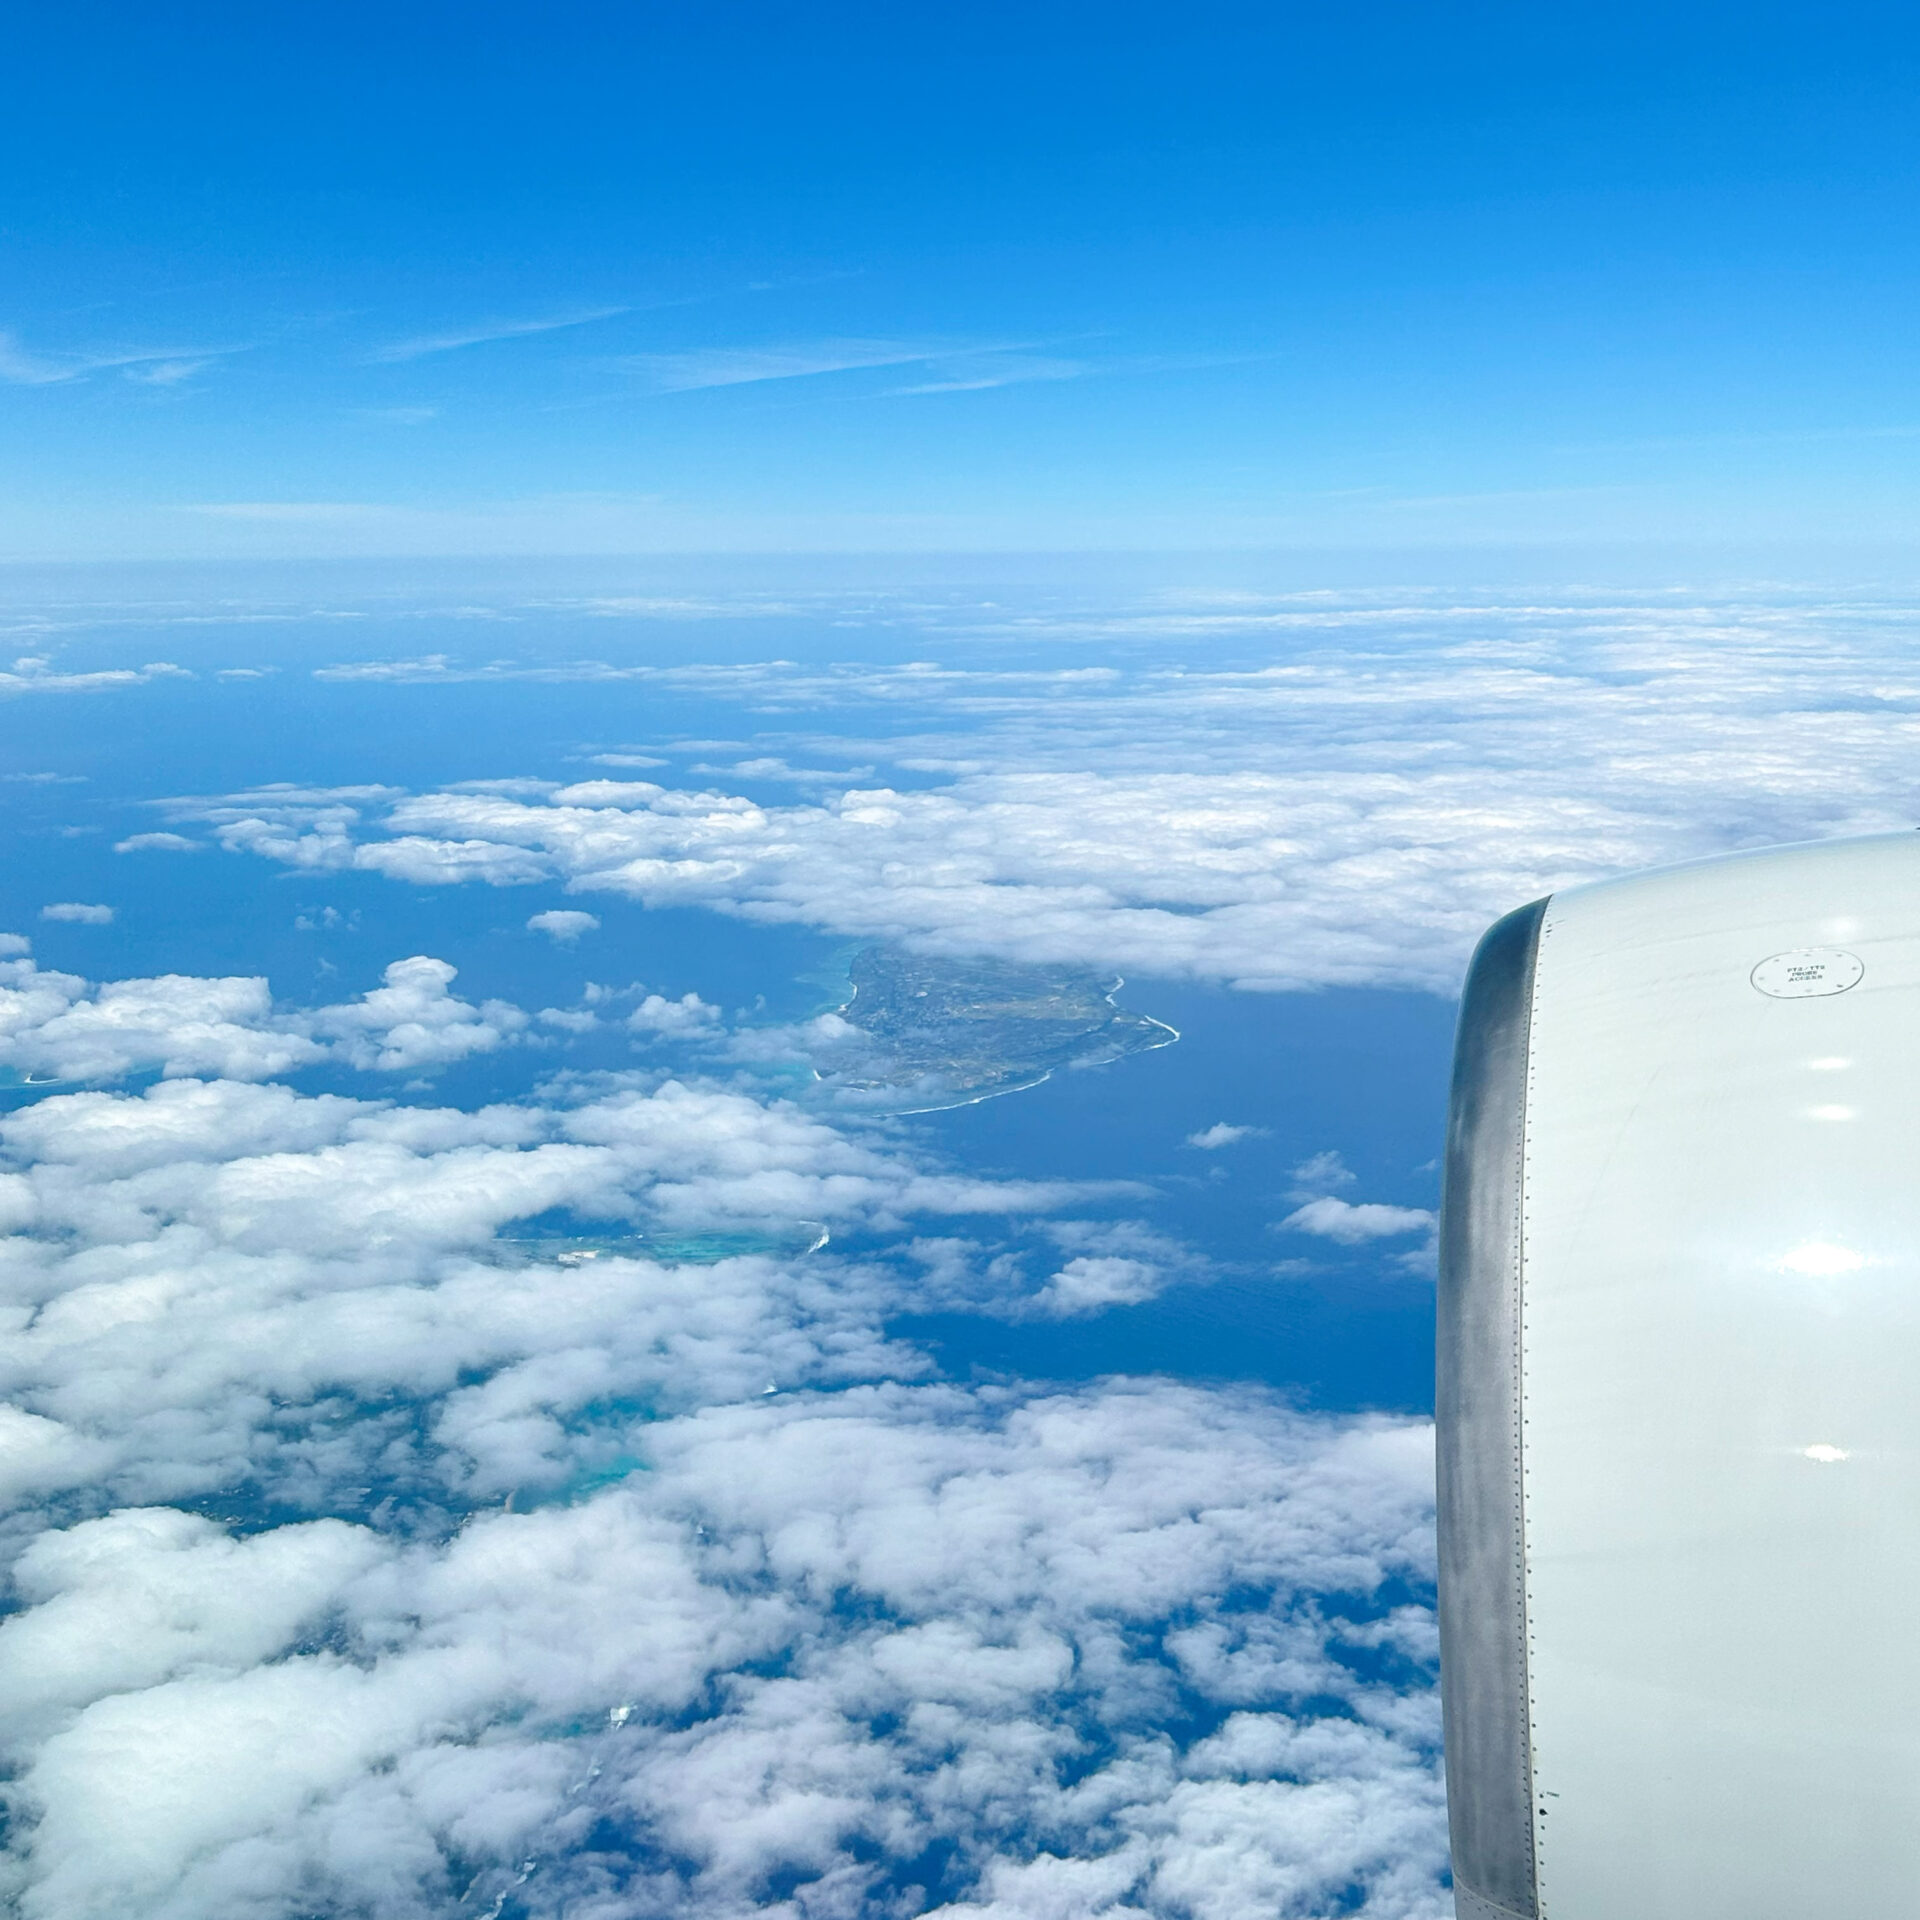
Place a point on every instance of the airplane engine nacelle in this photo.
(1679, 1397)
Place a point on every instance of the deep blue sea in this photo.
(1361, 1074)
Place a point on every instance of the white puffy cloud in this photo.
(1222, 1134)
(673, 1019)
(1111, 1263)
(564, 924)
(1352, 1222)
(1088, 1267)
(59, 1026)
(413, 1021)
(301, 826)
(79, 912)
(1092, 1282)
(1321, 1173)
(39, 1456)
(129, 1600)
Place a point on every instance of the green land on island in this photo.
(947, 1031)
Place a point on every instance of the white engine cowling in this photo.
(1679, 1397)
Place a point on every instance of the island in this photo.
(940, 1031)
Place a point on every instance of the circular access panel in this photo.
(1805, 973)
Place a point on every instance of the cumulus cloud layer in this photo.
(370, 1559)
(1351, 807)
(888, 1650)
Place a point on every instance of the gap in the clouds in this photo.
(938, 1873)
(1384, 1664)
(1190, 1714)
(1355, 1072)
(386, 1438)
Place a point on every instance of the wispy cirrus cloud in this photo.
(975, 373)
(747, 366)
(150, 366)
(1008, 367)
(168, 373)
(480, 332)
(946, 367)
(936, 366)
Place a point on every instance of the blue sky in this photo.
(605, 278)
